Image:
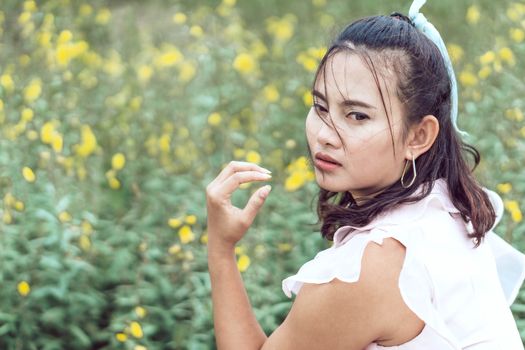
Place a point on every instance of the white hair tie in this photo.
(427, 28)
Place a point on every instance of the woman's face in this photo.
(346, 91)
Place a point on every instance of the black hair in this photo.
(423, 86)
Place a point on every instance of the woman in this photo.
(414, 264)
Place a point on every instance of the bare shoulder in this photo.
(341, 315)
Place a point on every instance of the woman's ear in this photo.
(422, 136)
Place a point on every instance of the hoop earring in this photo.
(404, 172)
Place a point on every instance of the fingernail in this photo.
(266, 175)
(266, 170)
(265, 191)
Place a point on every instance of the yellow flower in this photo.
(174, 222)
(514, 209)
(87, 229)
(88, 142)
(144, 73)
(85, 10)
(473, 14)
(7, 82)
(121, 337)
(196, 31)
(319, 3)
(30, 6)
(65, 36)
(484, 72)
(229, 2)
(187, 71)
(271, 94)
(23, 288)
(191, 219)
(214, 119)
(239, 153)
(253, 157)
(284, 247)
(243, 262)
(290, 144)
(85, 242)
(299, 174)
(103, 16)
(244, 63)
(504, 188)
(19, 205)
(517, 34)
(135, 329)
(47, 132)
(174, 249)
(179, 18)
(7, 218)
(140, 311)
(308, 99)
(186, 234)
(281, 28)
(514, 114)
(317, 53)
(44, 39)
(68, 51)
(118, 161)
(169, 57)
(57, 142)
(33, 90)
(114, 183)
(515, 11)
(467, 78)
(28, 174)
(64, 216)
(24, 18)
(507, 55)
(294, 182)
(487, 58)
(140, 347)
(309, 61)
(27, 114)
(204, 238)
(9, 199)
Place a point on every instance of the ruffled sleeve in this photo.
(416, 282)
(344, 263)
(510, 262)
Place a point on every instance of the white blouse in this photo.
(462, 293)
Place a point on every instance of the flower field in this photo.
(115, 115)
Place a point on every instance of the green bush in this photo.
(114, 116)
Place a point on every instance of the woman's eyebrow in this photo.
(345, 103)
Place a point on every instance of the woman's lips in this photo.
(326, 165)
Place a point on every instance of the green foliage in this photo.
(102, 252)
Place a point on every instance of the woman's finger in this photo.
(236, 166)
(233, 182)
(255, 203)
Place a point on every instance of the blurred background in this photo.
(115, 115)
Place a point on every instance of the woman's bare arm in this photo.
(235, 324)
(335, 315)
(350, 316)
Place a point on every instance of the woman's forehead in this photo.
(348, 75)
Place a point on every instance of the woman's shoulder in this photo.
(352, 313)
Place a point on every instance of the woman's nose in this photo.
(327, 134)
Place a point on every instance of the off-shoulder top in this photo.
(462, 293)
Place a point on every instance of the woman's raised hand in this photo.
(227, 224)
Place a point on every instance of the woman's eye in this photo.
(358, 116)
(320, 108)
